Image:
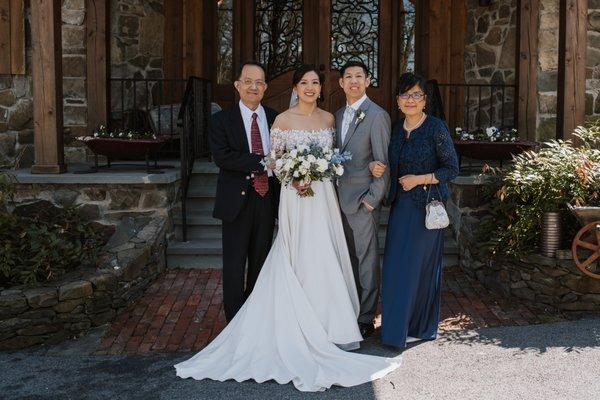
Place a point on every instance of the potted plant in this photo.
(124, 145)
(530, 200)
(491, 143)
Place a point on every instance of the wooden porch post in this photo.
(47, 86)
(98, 62)
(571, 66)
(527, 108)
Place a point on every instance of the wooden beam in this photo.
(458, 33)
(47, 86)
(17, 37)
(5, 37)
(439, 14)
(571, 66)
(173, 44)
(527, 28)
(422, 38)
(194, 40)
(98, 62)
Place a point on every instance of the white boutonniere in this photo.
(360, 115)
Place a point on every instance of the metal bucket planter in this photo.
(551, 230)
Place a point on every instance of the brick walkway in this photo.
(183, 311)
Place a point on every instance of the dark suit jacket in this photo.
(229, 147)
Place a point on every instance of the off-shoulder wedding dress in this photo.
(303, 309)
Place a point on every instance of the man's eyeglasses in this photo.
(416, 96)
(250, 82)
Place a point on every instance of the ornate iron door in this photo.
(283, 34)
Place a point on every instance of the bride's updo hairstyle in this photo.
(303, 70)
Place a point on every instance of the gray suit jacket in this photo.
(367, 141)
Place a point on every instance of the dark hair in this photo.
(408, 80)
(250, 62)
(354, 63)
(303, 70)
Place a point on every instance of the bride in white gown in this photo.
(303, 309)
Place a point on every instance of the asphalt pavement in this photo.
(550, 361)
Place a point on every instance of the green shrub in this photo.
(44, 244)
(538, 182)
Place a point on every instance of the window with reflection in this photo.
(225, 41)
(355, 34)
(278, 35)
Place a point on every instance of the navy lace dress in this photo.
(412, 263)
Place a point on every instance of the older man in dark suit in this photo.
(247, 192)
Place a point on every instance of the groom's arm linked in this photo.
(380, 140)
(226, 154)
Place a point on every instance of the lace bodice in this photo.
(286, 139)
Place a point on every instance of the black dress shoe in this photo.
(366, 330)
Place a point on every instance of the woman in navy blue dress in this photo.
(421, 153)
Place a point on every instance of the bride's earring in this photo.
(293, 98)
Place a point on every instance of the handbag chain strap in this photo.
(429, 189)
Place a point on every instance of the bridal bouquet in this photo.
(308, 163)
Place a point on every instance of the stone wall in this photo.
(56, 311)
(136, 48)
(16, 94)
(541, 282)
(136, 51)
(490, 58)
(102, 202)
(548, 66)
(490, 48)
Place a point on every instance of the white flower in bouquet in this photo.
(306, 164)
(322, 165)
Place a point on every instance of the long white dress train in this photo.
(304, 303)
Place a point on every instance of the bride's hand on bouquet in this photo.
(300, 188)
(377, 168)
(270, 162)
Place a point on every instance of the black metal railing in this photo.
(194, 118)
(476, 106)
(179, 108)
(148, 105)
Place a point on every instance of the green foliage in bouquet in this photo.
(538, 182)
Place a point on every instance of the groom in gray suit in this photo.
(363, 128)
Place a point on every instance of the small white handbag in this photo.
(436, 216)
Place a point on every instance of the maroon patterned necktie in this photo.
(261, 180)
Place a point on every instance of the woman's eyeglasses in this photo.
(416, 96)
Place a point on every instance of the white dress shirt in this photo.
(347, 118)
(263, 127)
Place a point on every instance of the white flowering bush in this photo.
(490, 134)
(312, 163)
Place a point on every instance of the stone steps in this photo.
(203, 248)
(207, 253)
(201, 225)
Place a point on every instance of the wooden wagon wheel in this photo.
(587, 245)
